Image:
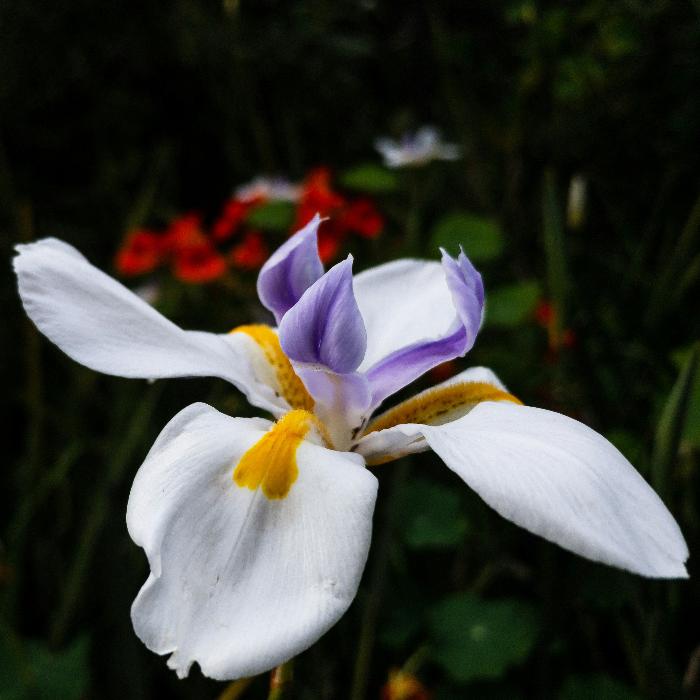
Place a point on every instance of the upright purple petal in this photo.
(290, 270)
(408, 363)
(467, 289)
(325, 326)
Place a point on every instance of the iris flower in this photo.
(416, 149)
(256, 531)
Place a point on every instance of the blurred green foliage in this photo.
(117, 115)
(480, 237)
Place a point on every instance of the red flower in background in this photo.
(199, 263)
(193, 255)
(142, 252)
(197, 254)
(345, 216)
(251, 252)
(362, 217)
(317, 196)
(232, 217)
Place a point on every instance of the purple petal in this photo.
(467, 289)
(290, 270)
(325, 326)
(407, 364)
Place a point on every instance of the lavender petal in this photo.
(290, 270)
(405, 365)
(325, 326)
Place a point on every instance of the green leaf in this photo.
(512, 305)
(691, 431)
(480, 236)
(430, 516)
(671, 424)
(401, 626)
(479, 639)
(273, 216)
(30, 671)
(586, 687)
(369, 178)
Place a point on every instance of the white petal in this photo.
(402, 302)
(101, 324)
(559, 479)
(392, 443)
(240, 583)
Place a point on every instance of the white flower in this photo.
(271, 189)
(416, 149)
(257, 532)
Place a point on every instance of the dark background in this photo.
(114, 115)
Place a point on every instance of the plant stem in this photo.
(235, 690)
(97, 516)
(281, 680)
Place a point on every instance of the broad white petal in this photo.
(240, 583)
(401, 303)
(392, 443)
(101, 324)
(559, 479)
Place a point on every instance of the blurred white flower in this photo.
(416, 149)
(271, 189)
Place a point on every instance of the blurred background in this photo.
(128, 129)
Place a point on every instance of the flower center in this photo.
(440, 405)
(290, 387)
(271, 463)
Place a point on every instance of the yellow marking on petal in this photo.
(439, 405)
(271, 463)
(290, 386)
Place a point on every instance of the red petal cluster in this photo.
(345, 217)
(196, 253)
(141, 252)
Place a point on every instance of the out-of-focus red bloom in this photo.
(251, 252)
(141, 252)
(404, 686)
(232, 215)
(199, 263)
(546, 317)
(197, 254)
(184, 232)
(329, 241)
(544, 313)
(362, 217)
(345, 216)
(194, 258)
(318, 196)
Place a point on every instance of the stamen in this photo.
(440, 405)
(290, 386)
(271, 462)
